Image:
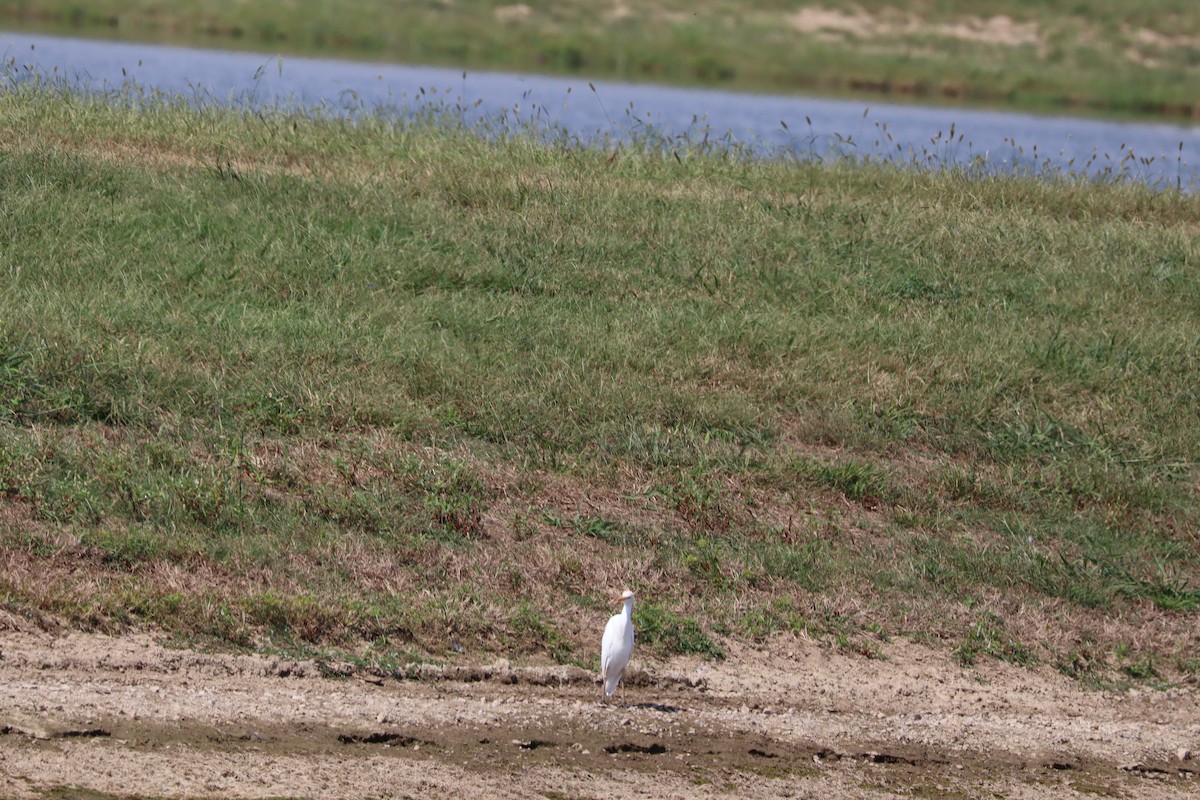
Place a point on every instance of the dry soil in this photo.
(87, 716)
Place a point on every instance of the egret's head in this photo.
(625, 595)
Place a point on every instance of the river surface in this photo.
(776, 126)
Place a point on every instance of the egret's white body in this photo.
(617, 645)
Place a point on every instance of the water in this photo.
(1163, 155)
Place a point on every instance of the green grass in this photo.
(1096, 56)
(282, 379)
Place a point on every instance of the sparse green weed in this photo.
(988, 638)
(667, 633)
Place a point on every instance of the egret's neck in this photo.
(629, 608)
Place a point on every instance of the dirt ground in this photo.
(86, 716)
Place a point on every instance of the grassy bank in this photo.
(310, 384)
(1097, 56)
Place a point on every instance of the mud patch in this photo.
(653, 749)
(392, 739)
(887, 758)
(49, 730)
(532, 744)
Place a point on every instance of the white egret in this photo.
(617, 645)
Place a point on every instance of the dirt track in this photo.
(127, 717)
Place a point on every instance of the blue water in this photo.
(1164, 155)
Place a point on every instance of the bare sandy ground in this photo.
(90, 716)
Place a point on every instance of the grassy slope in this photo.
(284, 380)
(1103, 55)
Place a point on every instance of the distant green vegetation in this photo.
(390, 387)
(1100, 56)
